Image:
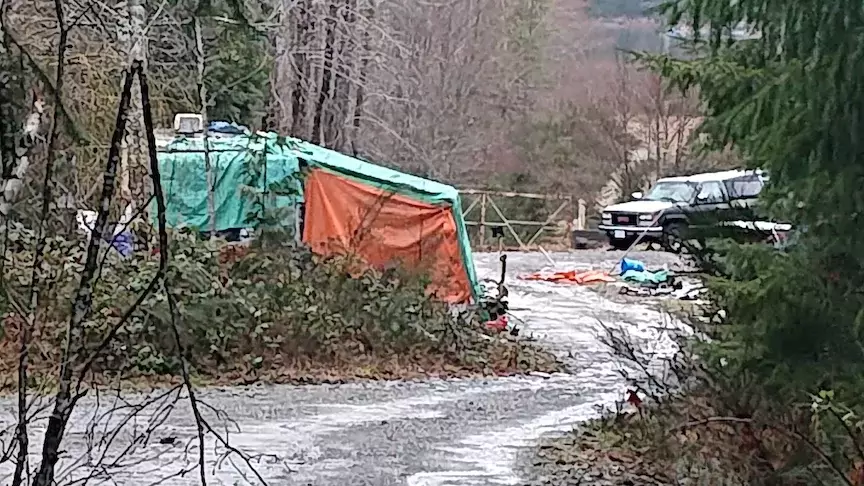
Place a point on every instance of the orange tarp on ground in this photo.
(583, 277)
(348, 217)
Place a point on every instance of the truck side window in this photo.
(710, 193)
(744, 187)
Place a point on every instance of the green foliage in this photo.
(237, 55)
(244, 309)
(573, 151)
(269, 219)
(526, 29)
(789, 103)
(237, 74)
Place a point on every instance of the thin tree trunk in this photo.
(302, 66)
(163, 269)
(347, 95)
(26, 332)
(285, 75)
(202, 96)
(11, 89)
(10, 186)
(64, 401)
(324, 106)
(362, 78)
(314, 86)
(135, 179)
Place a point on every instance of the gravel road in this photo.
(437, 432)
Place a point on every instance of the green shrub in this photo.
(245, 308)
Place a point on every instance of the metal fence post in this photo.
(482, 221)
(581, 216)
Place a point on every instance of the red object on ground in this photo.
(633, 399)
(573, 276)
(499, 324)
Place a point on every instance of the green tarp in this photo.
(243, 168)
(241, 178)
(646, 277)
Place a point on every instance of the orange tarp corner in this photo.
(582, 278)
(348, 217)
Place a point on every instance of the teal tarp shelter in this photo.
(249, 174)
(241, 178)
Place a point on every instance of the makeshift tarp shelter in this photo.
(250, 174)
(377, 214)
(383, 215)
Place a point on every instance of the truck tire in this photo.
(672, 239)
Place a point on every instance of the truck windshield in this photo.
(671, 192)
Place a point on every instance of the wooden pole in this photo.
(482, 221)
(202, 96)
(582, 216)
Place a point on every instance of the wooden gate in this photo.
(520, 221)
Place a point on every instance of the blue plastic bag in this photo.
(123, 243)
(635, 265)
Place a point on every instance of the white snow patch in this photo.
(568, 320)
(491, 455)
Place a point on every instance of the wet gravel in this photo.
(435, 432)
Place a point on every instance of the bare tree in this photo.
(321, 59)
(24, 147)
(134, 178)
(654, 126)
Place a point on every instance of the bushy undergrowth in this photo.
(274, 313)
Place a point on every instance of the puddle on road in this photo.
(490, 457)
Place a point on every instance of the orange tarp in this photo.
(348, 217)
(583, 277)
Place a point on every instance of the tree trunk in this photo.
(202, 98)
(362, 77)
(302, 66)
(284, 77)
(347, 94)
(134, 173)
(64, 400)
(328, 64)
(16, 139)
(344, 90)
(314, 84)
(11, 89)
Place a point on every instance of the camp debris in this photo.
(334, 203)
(646, 277)
(639, 281)
(635, 280)
(680, 290)
(120, 237)
(628, 264)
(573, 276)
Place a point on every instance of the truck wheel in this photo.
(672, 237)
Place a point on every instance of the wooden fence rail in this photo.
(526, 233)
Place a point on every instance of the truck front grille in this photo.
(623, 219)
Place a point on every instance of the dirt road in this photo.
(460, 432)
